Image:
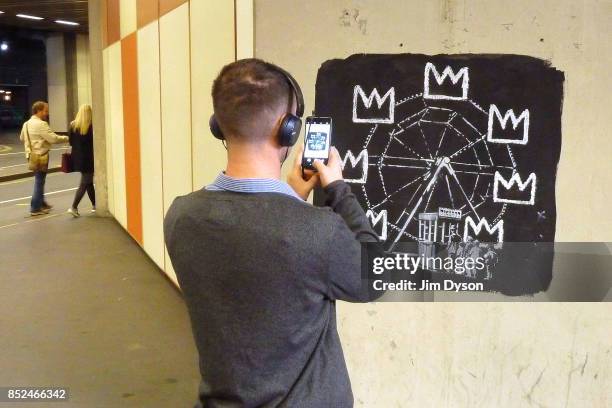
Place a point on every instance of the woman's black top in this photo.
(82, 150)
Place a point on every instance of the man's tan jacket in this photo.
(41, 136)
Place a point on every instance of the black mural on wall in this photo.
(453, 154)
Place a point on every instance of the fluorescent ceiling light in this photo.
(72, 23)
(29, 17)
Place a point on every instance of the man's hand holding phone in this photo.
(304, 182)
(332, 171)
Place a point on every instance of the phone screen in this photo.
(317, 140)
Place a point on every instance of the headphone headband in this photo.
(297, 91)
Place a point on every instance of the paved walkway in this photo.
(83, 307)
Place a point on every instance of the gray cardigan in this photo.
(260, 274)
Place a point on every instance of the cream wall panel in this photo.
(212, 23)
(150, 142)
(175, 107)
(127, 13)
(115, 112)
(245, 29)
(108, 132)
(480, 354)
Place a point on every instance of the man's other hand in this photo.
(302, 185)
(332, 171)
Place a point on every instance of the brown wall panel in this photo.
(113, 21)
(147, 11)
(102, 10)
(168, 5)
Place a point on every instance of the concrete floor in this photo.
(83, 307)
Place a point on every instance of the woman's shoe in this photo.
(74, 212)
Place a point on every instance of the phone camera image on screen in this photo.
(317, 141)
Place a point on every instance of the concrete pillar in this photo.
(83, 76)
(56, 83)
(96, 44)
(71, 76)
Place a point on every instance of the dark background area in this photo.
(23, 72)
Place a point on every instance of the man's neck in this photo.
(252, 161)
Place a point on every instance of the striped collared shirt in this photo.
(224, 182)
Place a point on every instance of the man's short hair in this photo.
(38, 106)
(247, 96)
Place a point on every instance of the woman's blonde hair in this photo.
(82, 122)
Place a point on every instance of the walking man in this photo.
(37, 138)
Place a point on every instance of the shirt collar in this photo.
(251, 185)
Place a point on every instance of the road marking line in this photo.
(23, 153)
(27, 198)
(29, 178)
(45, 217)
(38, 218)
(14, 165)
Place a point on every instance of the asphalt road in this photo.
(15, 198)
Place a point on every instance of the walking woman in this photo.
(81, 140)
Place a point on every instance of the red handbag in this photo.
(67, 166)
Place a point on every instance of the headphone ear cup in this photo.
(290, 130)
(215, 129)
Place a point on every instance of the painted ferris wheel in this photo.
(437, 166)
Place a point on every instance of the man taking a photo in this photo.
(260, 268)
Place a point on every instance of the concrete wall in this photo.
(159, 59)
(57, 85)
(476, 354)
(68, 77)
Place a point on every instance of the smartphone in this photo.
(317, 140)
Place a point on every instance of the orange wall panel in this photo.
(147, 11)
(113, 16)
(131, 127)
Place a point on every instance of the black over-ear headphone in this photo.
(291, 124)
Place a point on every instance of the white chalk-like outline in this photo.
(375, 219)
(522, 185)
(448, 72)
(363, 156)
(503, 121)
(367, 102)
(476, 228)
